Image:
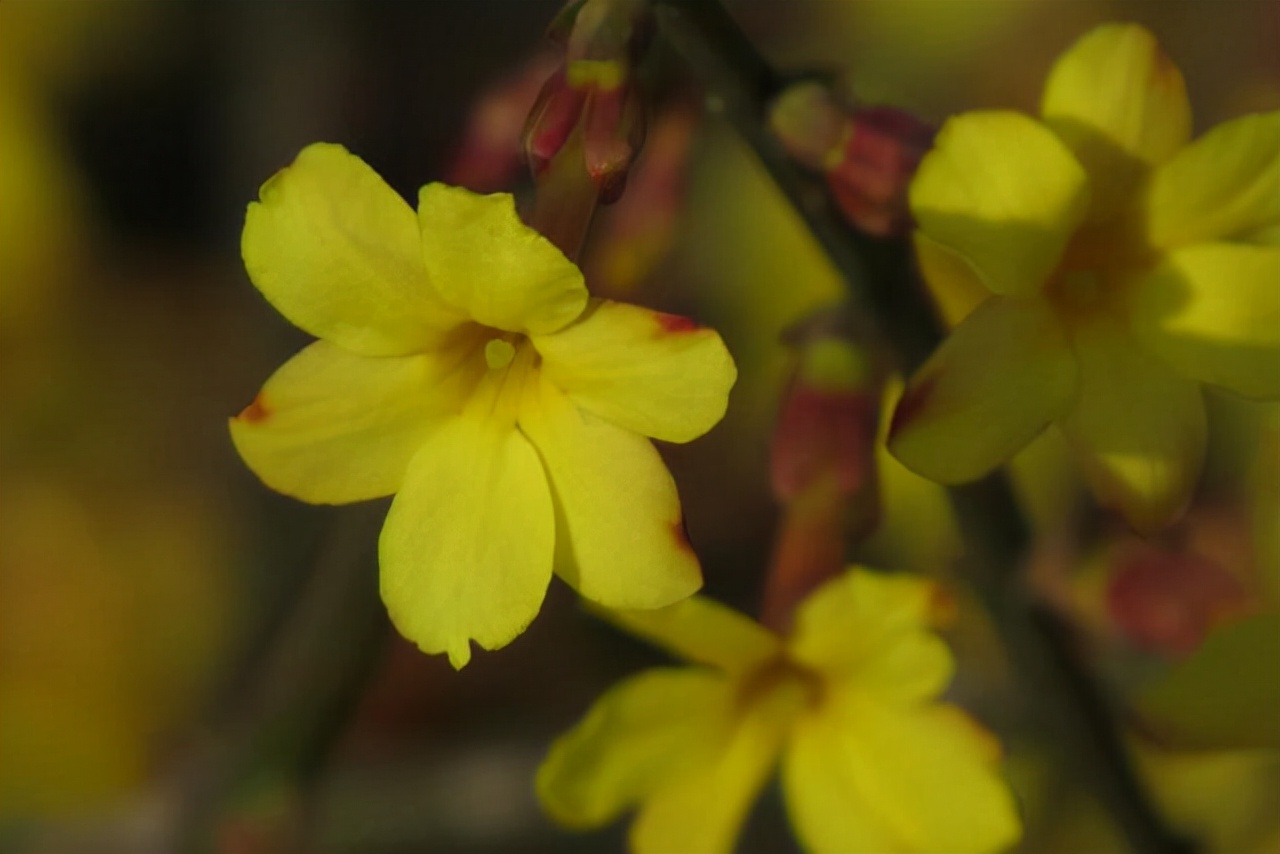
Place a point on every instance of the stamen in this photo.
(498, 353)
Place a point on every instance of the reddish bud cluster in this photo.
(1167, 602)
(592, 93)
(868, 155)
(823, 467)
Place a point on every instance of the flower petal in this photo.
(704, 809)
(1221, 187)
(919, 777)
(703, 631)
(620, 536)
(331, 427)
(824, 799)
(873, 628)
(655, 374)
(955, 287)
(993, 385)
(499, 271)
(466, 551)
(1212, 311)
(1004, 193)
(1138, 428)
(1121, 106)
(641, 735)
(336, 251)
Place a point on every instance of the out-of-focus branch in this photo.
(289, 706)
(883, 288)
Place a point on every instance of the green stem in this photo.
(1071, 709)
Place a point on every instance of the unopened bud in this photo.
(811, 125)
(612, 137)
(552, 120)
(1167, 602)
(828, 419)
(880, 157)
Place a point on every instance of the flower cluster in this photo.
(1113, 266)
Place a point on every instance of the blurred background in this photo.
(191, 662)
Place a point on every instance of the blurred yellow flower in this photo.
(870, 761)
(462, 367)
(1127, 266)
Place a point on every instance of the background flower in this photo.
(1126, 266)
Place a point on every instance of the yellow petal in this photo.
(331, 427)
(641, 736)
(703, 631)
(336, 251)
(1212, 311)
(872, 628)
(955, 287)
(1138, 428)
(993, 385)
(1004, 193)
(655, 374)
(486, 262)
(921, 777)
(828, 808)
(1121, 106)
(703, 810)
(620, 536)
(466, 551)
(1221, 187)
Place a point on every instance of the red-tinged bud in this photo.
(489, 155)
(552, 121)
(879, 159)
(1168, 602)
(611, 137)
(828, 419)
(812, 126)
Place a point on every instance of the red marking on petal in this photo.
(681, 534)
(913, 402)
(675, 323)
(256, 412)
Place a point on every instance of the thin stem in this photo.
(883, 287)
(566, 199)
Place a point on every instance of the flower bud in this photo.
(827, 423)
(611, 137)
(811, 125)
(1167, 602)
(552, 121)
(871, 177)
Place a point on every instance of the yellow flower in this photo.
(462, 367)
(1128, 266)
(870, 761)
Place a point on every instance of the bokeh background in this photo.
(188, 660)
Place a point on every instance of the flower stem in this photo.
(565, 200)
(1072, 711)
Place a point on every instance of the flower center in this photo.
(783, 683)
(509, 362)
(498, 353)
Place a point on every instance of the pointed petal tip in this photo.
(460, 654)
(255, 413)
